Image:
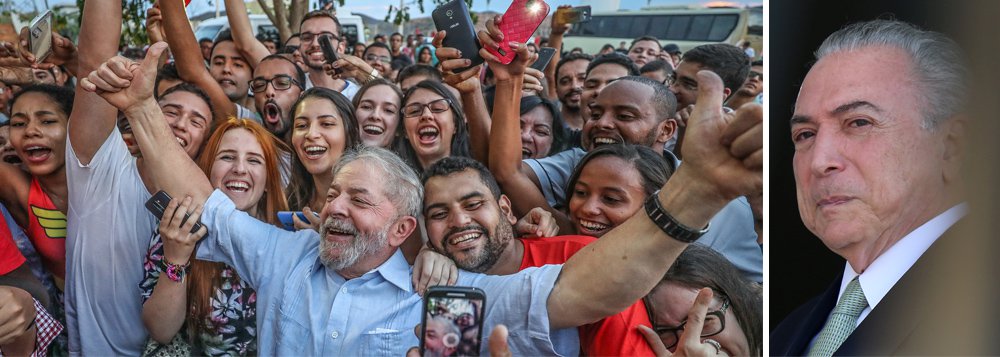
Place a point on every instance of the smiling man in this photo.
(877, 161)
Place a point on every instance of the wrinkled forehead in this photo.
(359, 175)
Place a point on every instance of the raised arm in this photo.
(473, 103)
(128, 86)
(92, 119)
(190, 63)
(724, 161)
(555, 41)
(505, 133)
(239, 24)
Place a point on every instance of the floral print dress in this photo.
(233, 316)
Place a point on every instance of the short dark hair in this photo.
(653, 168)
(757, 63)
(419, 70)
(664, 101)
(300, 75)
(658, 65)
(457, 164)
(645, 38)
(205, 39)
(570, 58)
(190, 88)
(376, 44)
(396, 34)
(559, 134)
(320, 13)
(223, 36)
(62, 96)
(167, 72)
(727, 61)
(615, 58)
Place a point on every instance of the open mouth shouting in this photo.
(36, 154)
(272, 113)
(428, 135)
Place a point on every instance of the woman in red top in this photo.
(37, 199)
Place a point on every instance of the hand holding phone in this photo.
(574, 15)
(288, 223)
(452, 323)
(460, 33)
(517, 24)
(329, 53)
(158, 205)
(40, 36)
(544, 57)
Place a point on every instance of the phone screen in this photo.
(452, 325)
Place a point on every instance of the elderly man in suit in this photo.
(877, 131)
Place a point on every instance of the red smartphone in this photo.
(519, 21)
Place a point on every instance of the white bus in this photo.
(687, 28)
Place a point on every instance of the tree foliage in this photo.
(400, 15)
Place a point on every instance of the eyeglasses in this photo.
(374, 58)
(437, 106)
(756, 74)
(308, 37)
(279, 82)
(715, 322)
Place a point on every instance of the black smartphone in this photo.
(158, 204)
(544, 57)
(576, 15)
(329, 53)
(454, 18)
(452, 323)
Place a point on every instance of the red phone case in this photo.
(519, 21)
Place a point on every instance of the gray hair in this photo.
(939, 65)
(401, 184)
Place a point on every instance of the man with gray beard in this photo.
(369, 307)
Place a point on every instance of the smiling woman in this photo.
(433, 127)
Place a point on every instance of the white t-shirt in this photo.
(108, 232)
(349, 91)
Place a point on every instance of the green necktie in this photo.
(842, 321)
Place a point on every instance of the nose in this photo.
(180, 124)
(313, 131)
(591, 206)
(269, 90)
(32, 129)
(674, 86)
(337, 207)
(240, 167)
(458, 219)
(526, 137)
(826, 155)
(227, 67)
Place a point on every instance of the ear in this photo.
(726, 92)
(401, 229)
(505, 209)
(667, 129)
(953, 132)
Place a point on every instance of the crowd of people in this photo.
(559, 192)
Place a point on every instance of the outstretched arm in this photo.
(128, 86)
(239, 23)
(190, 63)
(723, 161)
(555, 41)
(505, 132)
(92, 119)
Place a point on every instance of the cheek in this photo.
(335, 137)
(219, 169)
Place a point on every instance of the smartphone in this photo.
(519, 21)
(454, 18)
(329, 53)
(158, 204)
(544, 57)
(452, 323)
(575, 15)
(40, 36)
(286, 219)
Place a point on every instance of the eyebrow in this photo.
(470, 195)
(358, 191)
(843, 108)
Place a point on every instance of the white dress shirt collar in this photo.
(883, 273)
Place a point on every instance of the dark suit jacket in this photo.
(930, 310)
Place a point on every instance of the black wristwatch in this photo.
(668, 224)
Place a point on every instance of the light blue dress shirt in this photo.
(305, 309)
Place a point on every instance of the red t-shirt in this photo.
(47, 231)
(613, 336)
(10, 257)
